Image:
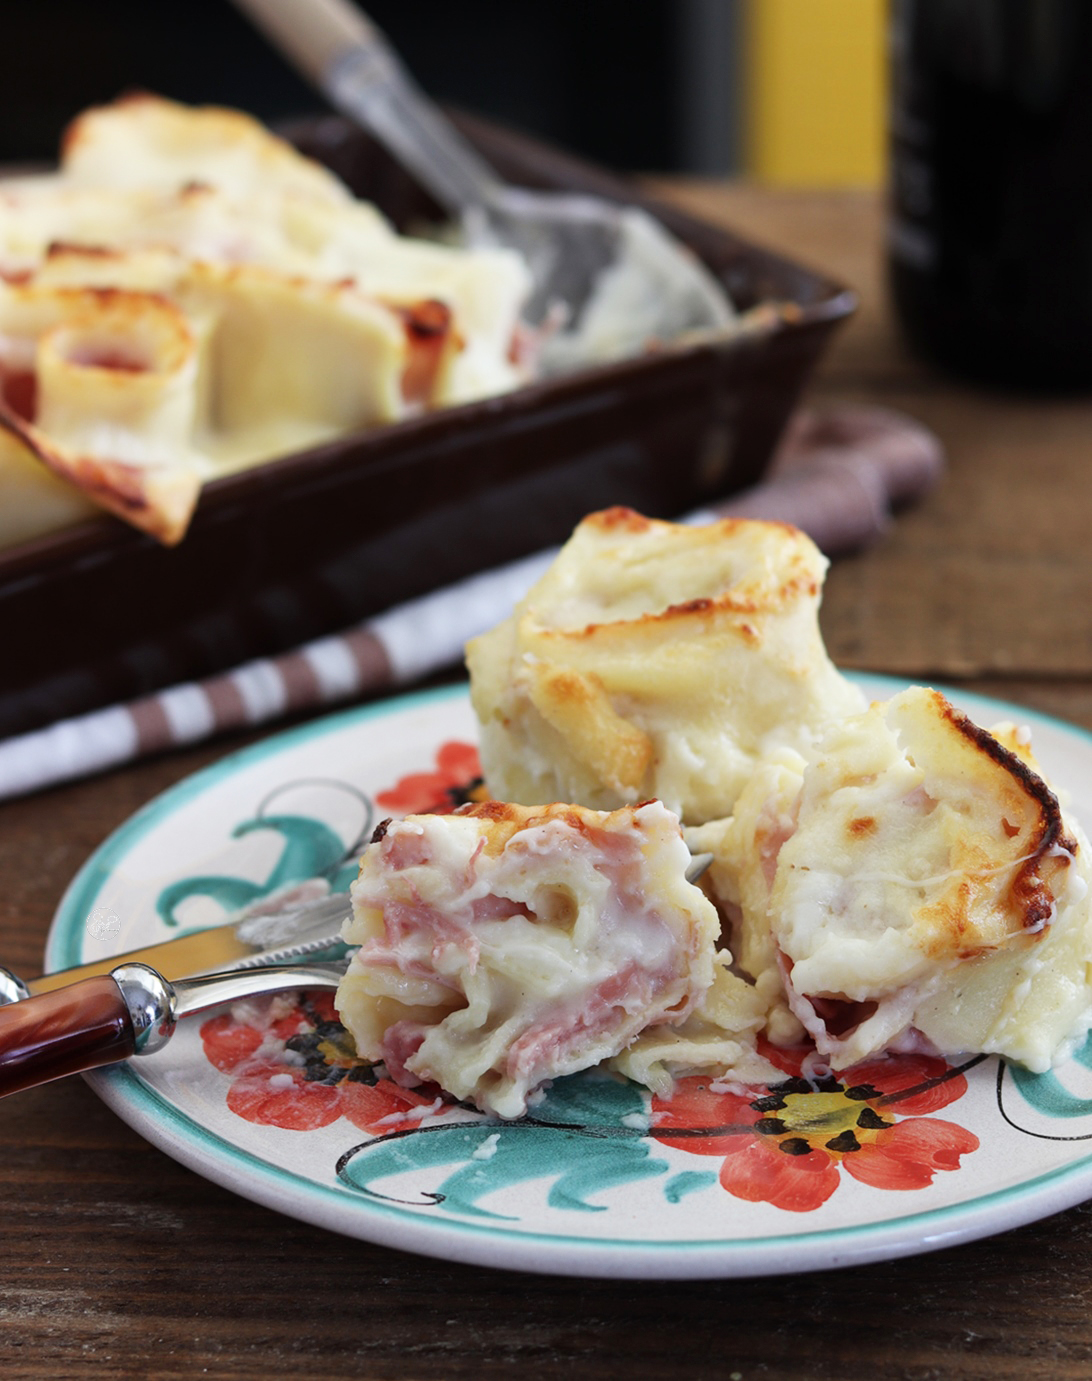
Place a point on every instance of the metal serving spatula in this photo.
(612, 275)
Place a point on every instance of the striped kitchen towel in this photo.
(838, 475)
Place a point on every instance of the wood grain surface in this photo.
(116, 1261)
(991, 576)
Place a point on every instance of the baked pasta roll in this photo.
(142, 140)
(915, 883)
(656, 660)
(307, 316)
(502, 946)
(110, 401)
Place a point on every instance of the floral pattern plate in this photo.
(268, 1098)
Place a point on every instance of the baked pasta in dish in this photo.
(656, 660)
(189, 295)
(913, 882)
(502, 946)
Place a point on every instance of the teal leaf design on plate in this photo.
(1047, 1094)
(231, 893)
(678, 1186)
(311, 849)
(588, 1135)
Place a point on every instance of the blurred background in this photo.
(788, 92)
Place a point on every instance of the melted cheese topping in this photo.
(503, 946)
(305, 316)
(914, 879)
(655, 659)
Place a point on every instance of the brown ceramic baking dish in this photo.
(311, 543)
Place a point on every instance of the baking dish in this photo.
(311, 543)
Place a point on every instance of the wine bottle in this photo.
(990, 225)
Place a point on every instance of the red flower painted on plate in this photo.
(441, 791)
(788, 1143)
(293, 1065)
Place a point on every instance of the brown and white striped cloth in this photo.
(839, 474)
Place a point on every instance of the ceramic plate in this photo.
(894, 1157)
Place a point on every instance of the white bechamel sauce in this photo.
(519, 963)
(488, 1149)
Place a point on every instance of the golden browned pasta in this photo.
(655, 659)
(913, 882)
(307, 317)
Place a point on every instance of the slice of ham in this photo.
(502, 946)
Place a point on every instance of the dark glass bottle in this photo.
(990, 230)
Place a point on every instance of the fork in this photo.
(134, 1010)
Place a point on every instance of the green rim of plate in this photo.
(266, 1182)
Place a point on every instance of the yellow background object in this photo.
(815, 92)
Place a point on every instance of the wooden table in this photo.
(116, 1261)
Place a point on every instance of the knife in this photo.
(100, 1013)
(113, 1009)
(246, 941)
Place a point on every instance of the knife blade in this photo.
(246, 941)
(249, 939)
(101, 1013)
(96, 1014)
